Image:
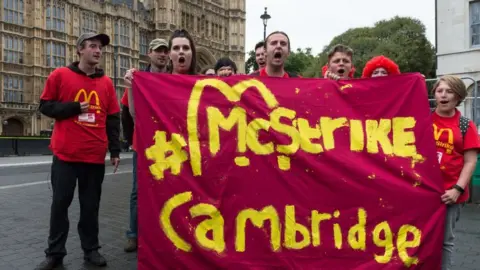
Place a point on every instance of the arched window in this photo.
(55, 16)
(89, 22)
(122, 33)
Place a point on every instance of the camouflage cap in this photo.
(104, 39)
(157, 43)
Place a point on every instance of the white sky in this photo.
(314, 23)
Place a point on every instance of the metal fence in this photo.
(470, 107)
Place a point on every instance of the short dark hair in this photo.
(81, 46)
(278, 32)
(260, 45)
(225, 62)
(182, 33)
(341, 49)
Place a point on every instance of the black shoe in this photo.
(131, 245)
(49, 263)
(95, 258)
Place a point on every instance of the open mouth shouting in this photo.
(277, 56)
(444, 102)
(181, 60)
(341, 72)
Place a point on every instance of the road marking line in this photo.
(33, 163)
(45, 182)
(24, 164)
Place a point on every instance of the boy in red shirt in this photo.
(82, 100)
(457, 143)
(340, 63)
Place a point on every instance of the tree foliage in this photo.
(250, 64)
(298, 61)
(401, 38)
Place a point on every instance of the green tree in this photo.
(250, 64)
(300, 60)
(401, 38)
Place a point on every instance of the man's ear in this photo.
(324, 69)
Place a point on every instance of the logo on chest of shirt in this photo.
(88, 98)
(88, 119)
(443, 138)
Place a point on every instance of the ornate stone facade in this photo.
(39, 36)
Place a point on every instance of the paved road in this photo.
(24, 218)
(25, 197)
(467, 256)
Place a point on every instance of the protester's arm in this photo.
(49, 104)
(113, 133)
(131, 106)
(128, 78)
(113, 124)
(127, 124)
(469, 164)
(471, 145)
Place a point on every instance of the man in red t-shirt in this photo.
(277, 49)
(158, 53)
(83, 102)
(260, 58)
(457, 144)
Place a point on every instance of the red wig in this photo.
(380, 62)
(350, 75)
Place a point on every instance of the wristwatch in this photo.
(459, 188)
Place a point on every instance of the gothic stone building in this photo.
(39, 36)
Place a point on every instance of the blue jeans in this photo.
(453, 214)
(132, 232)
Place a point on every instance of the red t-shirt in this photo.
(124, 101)
(263, 73)
(81, 138)
(451, 146)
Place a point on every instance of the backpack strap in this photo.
(464, 124)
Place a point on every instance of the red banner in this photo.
(270, 173)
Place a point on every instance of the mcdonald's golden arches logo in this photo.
(88, 98)
(448, 145)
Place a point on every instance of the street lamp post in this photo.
(265, 17)
(115, 67)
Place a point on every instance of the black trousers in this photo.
(64, 180)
